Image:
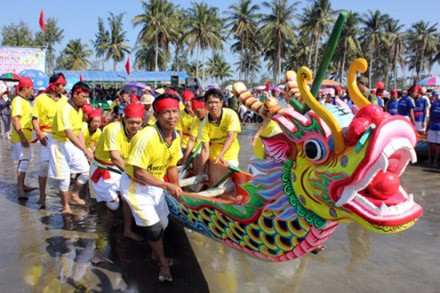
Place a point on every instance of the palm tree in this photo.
(422, 42)
(74, 56)
(276, 30)
(242, 23)
(350, 46)
(178, 40)
(395, 43)
(158, 22)
(52, 35)
(204, 31)
(316, 22)
(112, 44)
(102, 38)
(145, 58)
(249, 65)
(218, 68)
(372, 34)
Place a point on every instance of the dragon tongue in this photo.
(384, 185)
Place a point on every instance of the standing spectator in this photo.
(5, 111)
(186, 118)
(434, 130)
(146, 100)
(421, 110)
(22, 132)
(393, 103)
(362, 83)
(406, 106)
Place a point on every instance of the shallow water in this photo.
(43, 250)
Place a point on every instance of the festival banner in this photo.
(16, 59)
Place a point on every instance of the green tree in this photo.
(17, 35)
(316, 23)
(422, 45)
(204, 32)
(145, 58)
(75, 56)
(111, 44)
(242, 23)
(395, 45)
(218, 68)
(372, 35)
(276, 30)
(158, 22)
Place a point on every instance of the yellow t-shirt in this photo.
(149, 151)
(66, 117)
(184, 125)
(216, 135)
(113, 138)
(20, 107)
(269, 130)
(45, 108)
(91, 139)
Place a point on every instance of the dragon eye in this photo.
(314, 150)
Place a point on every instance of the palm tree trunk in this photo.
(156, 51)
(344, 56)
(309, 61)
(370, 66)
(318, 42)
(197, 61)
(203, 69)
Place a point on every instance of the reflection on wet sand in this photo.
(42, 251)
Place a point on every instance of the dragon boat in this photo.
(329, 165)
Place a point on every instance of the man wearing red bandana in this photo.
(68, 151)
(154, 153)
(45, 107)
(22, 131)
(111, 153)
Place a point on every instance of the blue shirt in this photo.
(419, 111)
(405, 105)
(435, 116)
(392, 107)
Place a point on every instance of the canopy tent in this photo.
(121, 76)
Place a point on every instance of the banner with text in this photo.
(16, 59)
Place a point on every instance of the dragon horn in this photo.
(358, 65)
(304, 75)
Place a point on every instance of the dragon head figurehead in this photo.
(346, 167)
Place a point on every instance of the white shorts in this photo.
(20, 153)
(433, 136)
(45, 150)
(147, 203)
(419, 127)
(65, 159)
(105, 189)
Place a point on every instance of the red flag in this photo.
(42, 24)
(267, 89)
(80, 77)
(127, 66)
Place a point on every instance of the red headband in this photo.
(196, 104)
(60, 80)
(187, 95)
(25, 82)
(134, 111)
(80, 90)
(95, 113)
(87, 108)
(165, 104)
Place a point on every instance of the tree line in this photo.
(272, 37)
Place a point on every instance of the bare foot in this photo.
(165, 274)
(77, 200)
(66, 211)
(133, 236)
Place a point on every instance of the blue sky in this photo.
(79, 18)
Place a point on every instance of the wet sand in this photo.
(42, 250)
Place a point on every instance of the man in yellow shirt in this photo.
(68, 151)
(198, 106)
(186, 118)
(112, 151)
(44, 110)
(154, 153)
(219, 134)
(22, 132)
